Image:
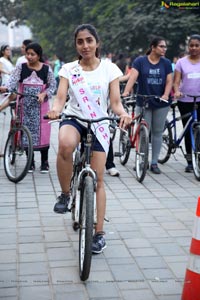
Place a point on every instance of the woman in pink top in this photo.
(187, 82)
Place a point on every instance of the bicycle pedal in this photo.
(117, 154)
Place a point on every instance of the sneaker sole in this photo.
(44, 172)
(61, 211)
(98, 252)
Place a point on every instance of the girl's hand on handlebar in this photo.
(125, 94)
(53, 114)
(177, 95)
(125, 120)
(165, 97)
(3, 89)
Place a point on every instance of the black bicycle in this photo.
(171, 141)
(18, 151)
(83, 199)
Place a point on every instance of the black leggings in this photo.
(184, 108)
(44, 155)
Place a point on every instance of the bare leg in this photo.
(69, 138)
(98, 164)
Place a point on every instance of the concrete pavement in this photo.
(148, 235)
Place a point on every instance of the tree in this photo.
(124, 25)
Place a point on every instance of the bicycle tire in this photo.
(86, 227)
(196, 153)
(74, 191)
(167, 142)
(18, 153)
(124, 146)
(142, 152)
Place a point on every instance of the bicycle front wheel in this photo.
(18, 153)
(166, 147)
(142, 152)
(196, 153)
(124, 146)
(86, 227)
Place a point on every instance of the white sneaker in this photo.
(113, 172)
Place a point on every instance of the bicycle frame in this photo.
(189, 126)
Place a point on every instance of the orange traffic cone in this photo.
(191, 289)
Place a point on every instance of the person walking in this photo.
(153, 72)
(99, 80)
(187, 82)
(35, 78)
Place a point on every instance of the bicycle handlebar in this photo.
(64, 116)
(7, 93)
(145, 97)
(192, 96)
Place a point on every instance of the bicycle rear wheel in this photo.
(86, 227)
(18, 153)
(167, 142)
(124, 146)
(196, 153)
(142, 152)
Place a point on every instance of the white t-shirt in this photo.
(7, 66)
(22, 59)
(98, 80)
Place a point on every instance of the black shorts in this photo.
(96, 145)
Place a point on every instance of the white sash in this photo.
(89, 105)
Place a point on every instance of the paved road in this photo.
(148, 236)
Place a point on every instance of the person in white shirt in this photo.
(99, 79)
(22, 59)
(6, 65)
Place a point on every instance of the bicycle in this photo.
(82, 190)
(113, 124)
(171, 141)
(18, 150)
(136, 137)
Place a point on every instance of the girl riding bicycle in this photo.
(89, 81)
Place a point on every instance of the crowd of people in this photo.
(100, 80)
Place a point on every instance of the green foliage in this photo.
(124, 25)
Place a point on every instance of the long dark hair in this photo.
(154, 43)
(37, 49)
(2, 51)
(92, 31)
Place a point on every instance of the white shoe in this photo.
(113, 172)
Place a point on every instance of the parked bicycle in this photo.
(113, 124)
(18, 149)
(171, 140)
(82, 189)
(137, 136)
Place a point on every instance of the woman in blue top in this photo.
(153, 72)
